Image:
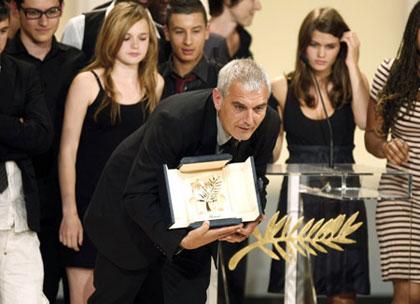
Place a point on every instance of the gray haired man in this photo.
(125, 219)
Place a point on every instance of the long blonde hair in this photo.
(111, 36)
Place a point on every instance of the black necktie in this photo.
(230, 147)
(3, 177)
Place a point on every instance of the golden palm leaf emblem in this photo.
(303, 238)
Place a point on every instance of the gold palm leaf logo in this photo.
(305, 239)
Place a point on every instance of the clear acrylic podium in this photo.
(343, 182)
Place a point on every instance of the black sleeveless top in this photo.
(98, 140)
(308, 142)
(308, 139)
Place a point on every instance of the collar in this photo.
(200, 70)
(111, 6)
(222, 136)
(16, 47)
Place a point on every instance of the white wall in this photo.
(379, 24)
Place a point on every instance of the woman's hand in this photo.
(396, 151)
(71, 231)
(353, 45)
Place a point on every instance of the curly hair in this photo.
(401, 88)
(326, 20)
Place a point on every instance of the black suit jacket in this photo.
(125, 217)
(21, 98)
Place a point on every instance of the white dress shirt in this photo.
(12, 201)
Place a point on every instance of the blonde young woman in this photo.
(109, 100)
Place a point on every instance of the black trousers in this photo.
(51, 257)
(116, 285)
(235, 280)
(50, 247)
(183, 280)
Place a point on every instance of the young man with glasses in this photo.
(25, 130)
(57, 64)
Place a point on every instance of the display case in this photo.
(213, 189)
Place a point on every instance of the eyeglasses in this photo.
(33, 13)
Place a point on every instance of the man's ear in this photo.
(217, 99)
(166, 32)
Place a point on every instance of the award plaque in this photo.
(210, 188)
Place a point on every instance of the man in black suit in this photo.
(25, 130)
(125, 219)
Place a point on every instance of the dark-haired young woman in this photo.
(395, 109)
(328, 51)
(106, 103)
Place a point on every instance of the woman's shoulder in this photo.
(279, 82)
(160, 83)
(279, 87)
(387, 63)
(86, 84)
(89, 77)
(381, 76)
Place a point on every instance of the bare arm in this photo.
(373, 141)
(359, 83)
(395, 150)
(279, 92)
(159, 87)
(78, 100)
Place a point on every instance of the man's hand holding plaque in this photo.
(242, 233)
(203, 235)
